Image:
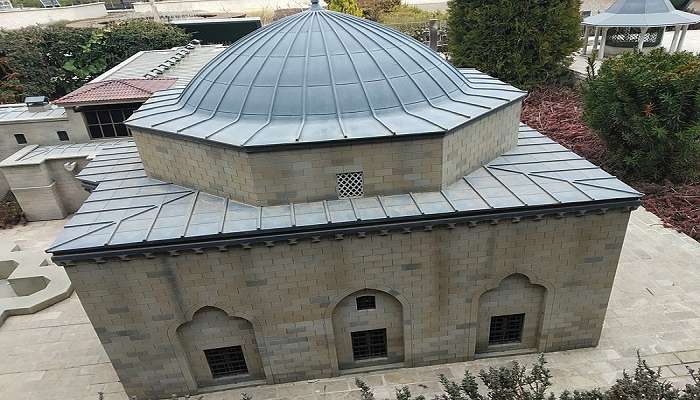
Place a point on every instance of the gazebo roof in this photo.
(641, 13)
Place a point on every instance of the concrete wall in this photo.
(46, 191)
(290, 294)
(514, 295)
(39, 133)
(212, 328)
(22, 17)
(218, 6)
(309, 173)
(42, 132)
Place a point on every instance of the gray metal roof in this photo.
(129, 209)
(13, 113)
(34, 154)
(323, 76)
(641, 13)
(182, 63)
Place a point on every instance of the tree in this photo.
(346, 6)
(523, 42)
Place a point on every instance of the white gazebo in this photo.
(638, 18)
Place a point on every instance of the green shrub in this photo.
(516, 382)
(346, 6)
(647, 109)
(36, 55)
(375, 9)
(53, 60)
(126, 38)
(523, 42)
(405, 14)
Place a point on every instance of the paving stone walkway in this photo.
(654, 308)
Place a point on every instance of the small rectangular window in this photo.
(349, 185)
(368, 344)
(226, 361)
(62, 136)
(20, 138)
(506, 329)
(366, 303)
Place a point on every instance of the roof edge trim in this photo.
(404, 224)
(324, 143)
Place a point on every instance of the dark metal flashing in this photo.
(128, 210)
(290, 236)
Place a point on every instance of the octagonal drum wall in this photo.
(309, 172)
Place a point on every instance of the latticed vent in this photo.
(349, 184)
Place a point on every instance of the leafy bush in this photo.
(346, 6)
(36, 55)
(517, 383)
(523, 42)
(375, 9)
(406, 14)
(11, 213)
(126, 38)
(54, 60)
(647, 109)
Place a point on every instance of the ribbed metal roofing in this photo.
(130, 209)
(323, 76)
(641, 13)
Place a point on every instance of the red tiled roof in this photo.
(111, 91)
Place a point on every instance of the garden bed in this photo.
(558, 113)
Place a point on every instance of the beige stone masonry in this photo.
(308, 174)
(298, 298)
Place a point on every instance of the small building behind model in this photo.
(329, 196)
(38, 138)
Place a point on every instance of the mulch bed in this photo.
(558, 113)
(10, 212)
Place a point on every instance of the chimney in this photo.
(37, 103)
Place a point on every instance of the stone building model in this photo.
(326, 196)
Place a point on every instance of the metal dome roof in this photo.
(322, 76)
(641, 13)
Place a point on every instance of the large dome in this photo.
(322, 76)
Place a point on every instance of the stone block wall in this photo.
(46, 190)
(211, 328)
(476, 144)
(388, 315)
(514, 295)
(291, 293)
(306, 174)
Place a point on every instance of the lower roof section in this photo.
(129, 210)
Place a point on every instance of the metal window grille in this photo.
(349, 184)
(226, 361)
(368, 344)
(20, 138)
(506, 329)
(62, 135)
(366, 303)
(108, 122)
